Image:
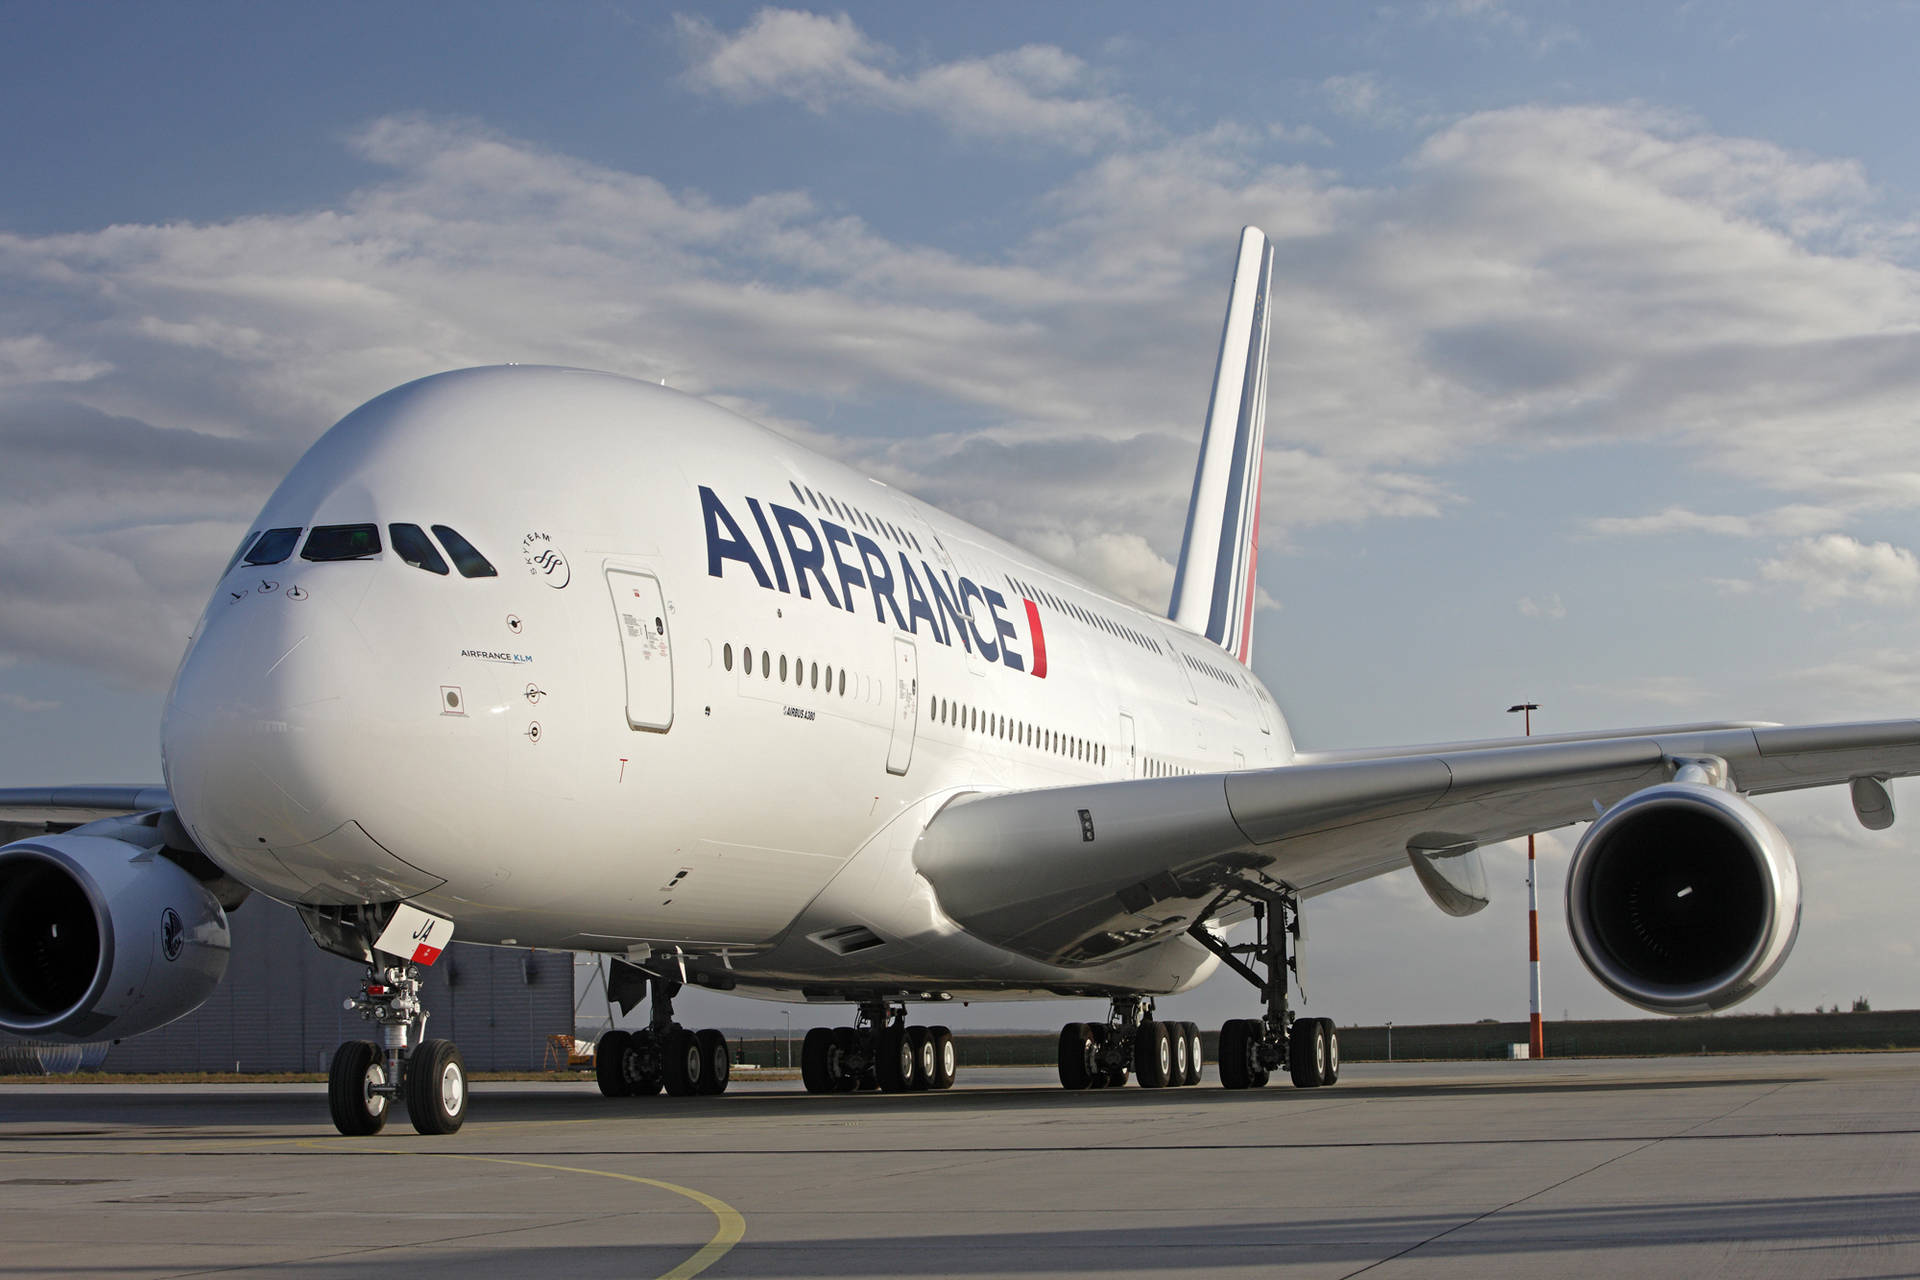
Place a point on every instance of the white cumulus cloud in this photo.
(1834, 568)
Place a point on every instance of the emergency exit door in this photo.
(906, 704)
(640, 609)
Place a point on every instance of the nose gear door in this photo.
(640, 608)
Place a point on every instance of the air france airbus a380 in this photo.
(546, 658)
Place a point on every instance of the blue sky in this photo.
(1595, 364)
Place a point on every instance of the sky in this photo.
(1595, 354)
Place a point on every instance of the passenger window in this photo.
(466, 558)
(342, 542)
(843, 682)
(274, 546)
(240, 551)
(746, 661)
(783, 667)
(726, 655)
(766, 665)
(814, 671)
(411, 544)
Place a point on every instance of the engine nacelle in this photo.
(101, 939)
(1683, 898)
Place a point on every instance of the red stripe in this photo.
(1039, 640)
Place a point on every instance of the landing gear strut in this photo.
(632, 1064)
(366, 1077)
(1251, 1049)
(1099, 1055)
(879, 1051)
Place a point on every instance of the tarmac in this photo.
(1774, 1166)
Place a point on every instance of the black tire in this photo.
(436, 1087)
(1195, 1051)
(610, 1064)
(1152, 1055)
(358, 1111)
(1177, 1055)
(845, 1078)
(920, 1045)
(1331, 1075)
(946, 1059)
(1307, 1053)
(1236, 1055)
(896, 1060)
(683, 1062)
(1076, 1056)
(716, 1065)
(816, 1060)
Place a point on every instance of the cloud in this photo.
(1035, 91)
(25, 705)
(1362, 97)
(1547, 607)
(1835, 568)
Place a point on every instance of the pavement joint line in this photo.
(730, 1224)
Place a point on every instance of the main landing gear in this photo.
(1099, 1055)
(1252, 1049)
(632, 1064)
(879, 1051)
(366, 1078)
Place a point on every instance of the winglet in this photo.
(1214, 583)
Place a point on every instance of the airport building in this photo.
(281, 1008)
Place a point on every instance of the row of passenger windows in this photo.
(855, 516)
(806, 675)
(993, 724)
(1118, 630)
(1155, 767)
(362, 542)
(1206, 668)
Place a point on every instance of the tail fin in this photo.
(1213, 586)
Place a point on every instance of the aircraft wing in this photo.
(1077, 874)
(28, 811)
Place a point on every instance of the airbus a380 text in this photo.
(541, 657)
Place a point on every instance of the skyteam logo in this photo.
(832, 563)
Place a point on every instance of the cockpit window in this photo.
(466, 559)
(411, 543)
(342, 542)
(274, 546)
(240, 551)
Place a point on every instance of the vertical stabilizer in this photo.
(1213, 586)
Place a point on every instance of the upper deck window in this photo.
(274, 546)
(466, 558)
(342, 542)
(411, 543)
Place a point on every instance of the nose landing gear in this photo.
(366, 1078)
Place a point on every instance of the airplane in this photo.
(560, 659)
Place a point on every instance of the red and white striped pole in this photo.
(1536, 1035)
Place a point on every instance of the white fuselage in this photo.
(715, 690)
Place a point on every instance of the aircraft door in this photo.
(906, 704)
(640, 609)
(1129, 759)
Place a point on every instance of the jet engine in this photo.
(1683, 898)
(101, 939)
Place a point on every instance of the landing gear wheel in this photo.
(1331, 1073)
(684, 1063)
(1307, 1054)
(845, 1078)
(896, 1060)
(716, 1067)
(1177, 1043)
(610, 1066)
(436, 1087)
(357, 1071)
(1237, 1063)
(1152, 1055)
(1191, 1030)
(946, 1059)
(816, 1061)
(1076, 1056)
(920, 1045)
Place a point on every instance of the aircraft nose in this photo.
(264, 743)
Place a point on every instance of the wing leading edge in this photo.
(1072, 875)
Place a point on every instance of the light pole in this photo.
(1389, 1039)
(1536, 1036)
(788, 1015)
